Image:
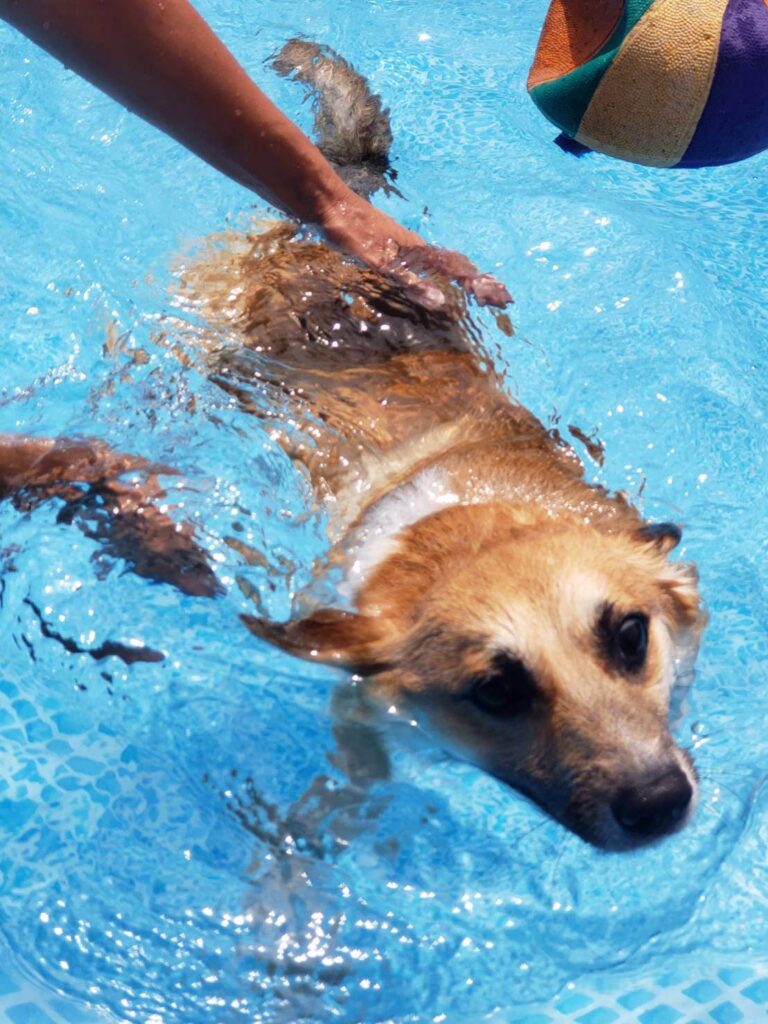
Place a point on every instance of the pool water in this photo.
(157, 862)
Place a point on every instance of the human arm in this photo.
(161, 60)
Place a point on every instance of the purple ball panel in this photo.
(734, 123)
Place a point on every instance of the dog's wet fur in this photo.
(126, 517)
(529, 620)
(352, 127)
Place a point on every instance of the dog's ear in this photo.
(663, 536)
(678, 581)
(679, 584)
(330, 636)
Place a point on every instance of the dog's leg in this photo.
(294, 873)
(122, 515)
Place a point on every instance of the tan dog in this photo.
(529, 620)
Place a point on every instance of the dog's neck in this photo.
(375, 538)
(464, 478)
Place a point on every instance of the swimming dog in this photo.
(528, 619)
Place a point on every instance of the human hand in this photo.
(360, 229)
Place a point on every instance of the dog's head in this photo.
(544, 651)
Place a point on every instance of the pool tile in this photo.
(6, 984)
(735, 976)
(598, 1015)
(726, 1013)
(757, 992)
(572, 1002)
(703, 992)
(637, 997)
(660, 1014)
(38, 731)
(27, 1013)
(671, 977)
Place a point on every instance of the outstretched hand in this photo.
(362, 230)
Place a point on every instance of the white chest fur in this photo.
(376, 538)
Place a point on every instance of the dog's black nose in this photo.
(653, 807)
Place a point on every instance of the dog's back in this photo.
(372, 378)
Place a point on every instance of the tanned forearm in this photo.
(160, 59)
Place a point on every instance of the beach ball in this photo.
(668, 83)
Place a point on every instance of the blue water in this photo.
(148, 865)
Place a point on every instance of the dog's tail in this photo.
(351, 125)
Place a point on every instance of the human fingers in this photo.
(413, 261)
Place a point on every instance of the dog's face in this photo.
(544, 652)
(548, 661)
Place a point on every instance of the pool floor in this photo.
(732, 995)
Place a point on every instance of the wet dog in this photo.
(529, 620)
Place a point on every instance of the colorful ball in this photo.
(668, 83)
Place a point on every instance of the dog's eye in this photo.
(507, 691)
(632, 641)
